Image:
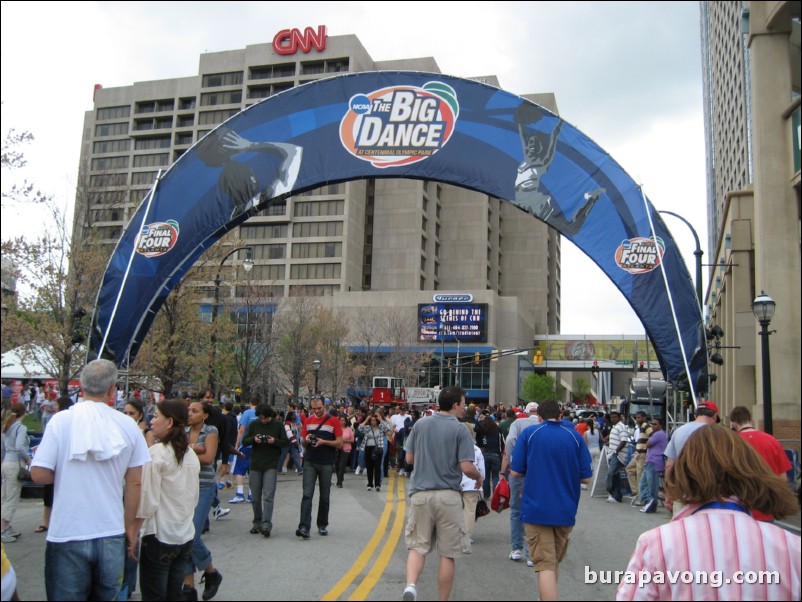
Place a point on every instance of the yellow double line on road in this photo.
(394, 504)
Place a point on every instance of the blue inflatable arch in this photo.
(401, 125)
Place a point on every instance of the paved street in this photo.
(359, 561)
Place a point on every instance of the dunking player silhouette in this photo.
(539, 147)
(238, 180)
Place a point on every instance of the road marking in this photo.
(362, 560)
(375, 573)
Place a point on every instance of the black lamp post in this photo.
(316, 370)
(697, 253)
(763, 307)
(247, 264)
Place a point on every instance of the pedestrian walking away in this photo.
(445, 449)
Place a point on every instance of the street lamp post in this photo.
(316, 370)
(247, 264)
(697, 253)
(763, 307)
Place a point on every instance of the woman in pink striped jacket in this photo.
(713, 549)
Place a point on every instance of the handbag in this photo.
(481, 508)
(24, 473)
(501, 496)
(376, 454)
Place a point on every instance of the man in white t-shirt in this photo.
(88, 452)
(399, 430)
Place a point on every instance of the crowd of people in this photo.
(160, 466)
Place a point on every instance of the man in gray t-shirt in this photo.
(441, 450)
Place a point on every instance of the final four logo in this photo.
(157, 238)
(399, 125)
(640, 255)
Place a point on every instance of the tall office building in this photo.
(751, 63)
(381, 244)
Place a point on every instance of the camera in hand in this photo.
(312, 439)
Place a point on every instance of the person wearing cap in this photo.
(769, 448)
(516, 483)
(706, 413)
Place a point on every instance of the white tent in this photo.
(20, 363)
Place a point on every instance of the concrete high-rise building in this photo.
(751, 63)
(383, 244)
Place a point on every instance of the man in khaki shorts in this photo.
(559, 461)
(444, 449)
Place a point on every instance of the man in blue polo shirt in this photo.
(554, 461)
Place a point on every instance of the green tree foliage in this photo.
(539, 387)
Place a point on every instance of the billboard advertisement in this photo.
(452, 322)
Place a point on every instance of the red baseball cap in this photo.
(707, 405)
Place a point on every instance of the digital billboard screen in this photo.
(452, 322)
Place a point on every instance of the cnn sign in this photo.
(288, 41)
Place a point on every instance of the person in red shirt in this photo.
(767, 446)
(321, 436)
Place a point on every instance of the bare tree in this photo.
(370, 333)
(295, 324)
(401, 333)
(331, 349)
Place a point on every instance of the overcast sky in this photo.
(628, 74)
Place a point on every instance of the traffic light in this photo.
(642, 367)
(476, 358)
(595, 368)
(538, 359)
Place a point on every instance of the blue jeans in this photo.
(201, 557)
(91, 569)
(263, 488)
(492, 469)
(649, 483)
(613, 481)
(296, 456)
(322, 474)
(516, 526)
(161, 570)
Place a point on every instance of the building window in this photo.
(184, 138)
(109, 179)
(267, 272)
(215, 117)
(185, 121)
(141, 178)
(122, 112)
(221, 98)
(109, 163)
(263, 231)
(111, 129)
(154, 106)
(111, 146)
(215, 80)
(270, 71)
(186, 104)
(269, 251)
(317, 208)
(314, 290)
(306, 229)
(309, 250)
(313, 67)
(315, 271)
(155, 160)
(152, 143)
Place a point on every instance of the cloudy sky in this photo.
(628, 74)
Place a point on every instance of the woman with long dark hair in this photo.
(374, 442)
(203, 440)
(167, 505)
